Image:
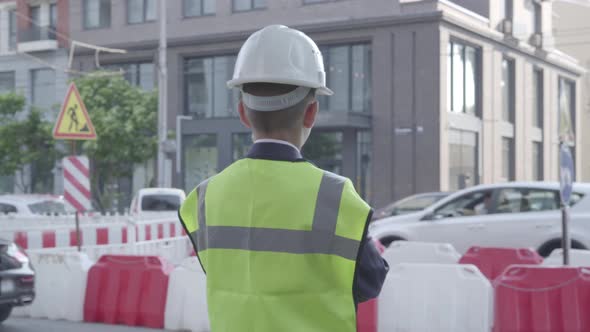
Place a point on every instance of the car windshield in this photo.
(160, 202)
(413, 204)
(47, 207)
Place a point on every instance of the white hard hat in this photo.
(278, 54)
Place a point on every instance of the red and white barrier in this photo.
(186, 306)
(129, 290)
(493, 261)
(578, 258)
(421, 252)
(535, 298)
(435, 297)
(60, 284)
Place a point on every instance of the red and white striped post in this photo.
(77, 187)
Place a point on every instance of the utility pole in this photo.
(162, 97)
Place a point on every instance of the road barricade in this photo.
(129, 290)
(578, 257)
(421, 252)
(493, 261)
(186, 306)
(435, 297)
(60, 283)
(538, 298)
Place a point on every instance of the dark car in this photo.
(409, 204)
(17, 278)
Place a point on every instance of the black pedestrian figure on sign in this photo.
(73, 117)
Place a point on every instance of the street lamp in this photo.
(179, 119)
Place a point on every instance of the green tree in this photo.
(25, 140)
(125, 120)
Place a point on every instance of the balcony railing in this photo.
(36, 33)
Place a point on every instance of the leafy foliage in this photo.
(125, 120)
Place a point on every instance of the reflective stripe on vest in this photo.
(321, 239)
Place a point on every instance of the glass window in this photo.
(348, 74)
(508, 158)
(567, 101)
(508, 9)
(12, 29)
(53, 15)
(324, 149)
(314, 1)
(138, 74)
(6, 82)
(363, 164)
(160, 202)
(97, 14)
(7, 208)
(516, 200)
(241, 143)
(463, 79)
(476, 203)
(507, 84)
(206, 93)
(43, 88)
(35, 15)
(245, 5)
(463, 159)
(48, 207)
(537, 161)
(140, 11)
(339, 77)
(361, 83)
(537, 98)
(537, 18)
(200, 159)
(198, 7)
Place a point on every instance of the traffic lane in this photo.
(37, 325)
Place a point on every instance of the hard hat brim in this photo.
(320, 90)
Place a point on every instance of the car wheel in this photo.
(387, 241)
(5, 311)
(548, 247)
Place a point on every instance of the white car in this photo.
(157, 200)
(512, 214)
(32, 204)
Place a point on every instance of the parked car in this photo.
(409, 204)
(29, 205)
(150, 200)
(513, 214)
(17, 278)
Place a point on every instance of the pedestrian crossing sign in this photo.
(73, 122)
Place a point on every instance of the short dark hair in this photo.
(285, 119)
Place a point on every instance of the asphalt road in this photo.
(42, 325)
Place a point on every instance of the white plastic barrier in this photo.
(578, 257)
(60, 285)
(174, 250)
(435, 297)
(421, 252)
(186, 304)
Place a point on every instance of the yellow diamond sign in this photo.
(73, 122)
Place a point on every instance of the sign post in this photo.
(73, 123)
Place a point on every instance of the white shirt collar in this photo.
(278, 141)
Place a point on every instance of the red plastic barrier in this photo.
(129, 290)
(493, 261)
(367, 316)
(543, 299)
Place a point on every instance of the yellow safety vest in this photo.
(279, 243)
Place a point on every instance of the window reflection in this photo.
(324, 149)
(241, 145)
(200, 159)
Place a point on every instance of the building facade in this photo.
(572, 34)
(33, 63)
(429, 95)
